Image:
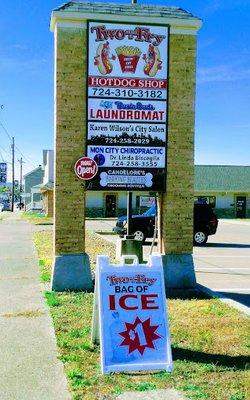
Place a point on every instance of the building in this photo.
(32, 195)
(225, 187)
(39, 184)
(48, 182)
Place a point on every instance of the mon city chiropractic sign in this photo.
(127, 105)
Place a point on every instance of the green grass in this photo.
(209, 343)
(3, 215)
(37, 218)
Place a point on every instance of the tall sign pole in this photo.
(13, 173)
(20, 183)
(129, 194)
(129, 213)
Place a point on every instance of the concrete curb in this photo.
(221, 296)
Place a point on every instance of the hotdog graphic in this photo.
(102, 59)
(153, 61)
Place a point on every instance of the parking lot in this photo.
(222, 265)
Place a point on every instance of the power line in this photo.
(25, 157)
(5, 130)
(5, 151)
(1, 156)
(10, 138)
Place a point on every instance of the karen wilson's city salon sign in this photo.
(127, 105)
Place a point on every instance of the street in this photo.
(223, 264)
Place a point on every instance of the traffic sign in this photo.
(85, 168)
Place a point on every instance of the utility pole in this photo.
(20, 183)
(13, 174)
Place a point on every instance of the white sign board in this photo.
(127, 103)
(132, 315)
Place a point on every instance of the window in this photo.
(211, 200)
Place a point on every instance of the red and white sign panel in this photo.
(127, 87)
(132, 315)
(127, 98)
(127, 50)
(85, 168)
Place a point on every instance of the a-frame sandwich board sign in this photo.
(130, 316)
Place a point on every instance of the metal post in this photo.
(13, 174)
(21, 178)
(129, 213)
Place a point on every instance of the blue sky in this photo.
(222, 129)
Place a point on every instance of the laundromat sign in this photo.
(127, 105)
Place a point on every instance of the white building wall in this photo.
(122, 199)
(48, 166)
(224, 200)
(94, 199)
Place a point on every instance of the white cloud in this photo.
(7, 64)
(19, 46)
(242, 126)
(211, 7)
(222, 73)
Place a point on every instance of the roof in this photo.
(83, 10)
(37, 186)
(222, 178)
(170, 11)
(47, 186)
(33, 171)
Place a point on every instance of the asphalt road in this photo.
(223, 264)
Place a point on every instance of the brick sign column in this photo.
(71, 263)
(178, 200)
(69, 23)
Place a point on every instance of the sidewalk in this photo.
(29, 368)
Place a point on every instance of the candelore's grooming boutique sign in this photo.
(127, 105)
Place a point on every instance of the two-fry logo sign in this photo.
(127, 56)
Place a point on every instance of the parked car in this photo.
(205, 224)
(4, 206)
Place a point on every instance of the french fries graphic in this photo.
(128, 57)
